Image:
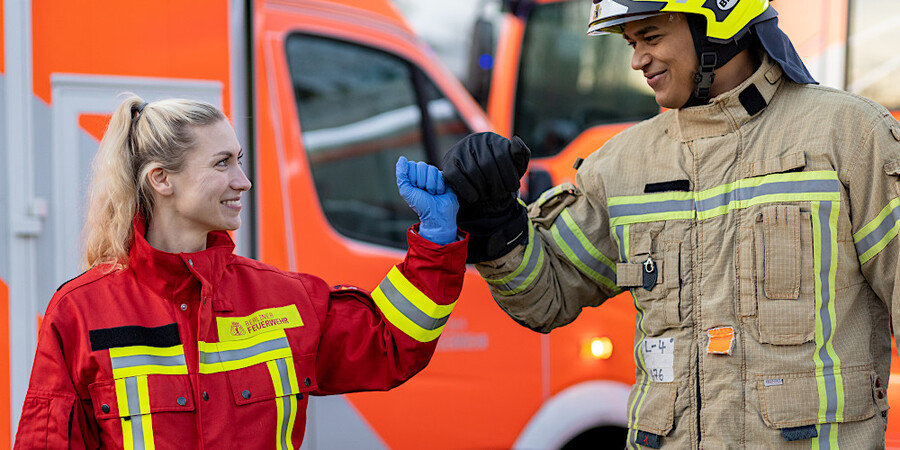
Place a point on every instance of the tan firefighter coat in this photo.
(763, 226)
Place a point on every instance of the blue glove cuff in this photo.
(440, 234)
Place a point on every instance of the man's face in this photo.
(664, 52)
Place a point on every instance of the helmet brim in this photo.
(616, 25)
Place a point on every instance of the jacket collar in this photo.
(173, 275)
(729, 111)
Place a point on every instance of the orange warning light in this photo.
(598, 348)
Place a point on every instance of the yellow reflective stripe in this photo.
(764, 199)
(211, 347)
(295, 387)
(141, 350)
(402, 322)
(226, 366)
(401, 312)
(520, 283)
(285, 401)
(279, 406)
(416, 297)
(138, 360)
(216, 351)
(586, 249)
(525, 258)
(828, 365)
(649, 198)
(143, 392)
(122, 397)
(127, 433)
(149, 370)
(548, 194)
(142, 437)
(871, 239)
(783, 187)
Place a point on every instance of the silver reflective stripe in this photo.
(550, 193)
(620, 237)
(775, 188)
(830, 366)
(134, 410)
(408, 309)
(122, 362)
(568, 236)
(535, 256)
(664, 206)
(286, 401)
(875, 236)
(243, 353)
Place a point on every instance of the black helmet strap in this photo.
(711, 56)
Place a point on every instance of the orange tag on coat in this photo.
(720, 341)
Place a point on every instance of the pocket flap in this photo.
(276, 378)
(632, 275)
(551, 203)
(792, 400)
(657, 411)
(781, 164)
(125, 397)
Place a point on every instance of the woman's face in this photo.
(206, 194)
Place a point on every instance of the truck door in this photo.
(342, 91)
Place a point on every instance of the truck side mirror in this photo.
(536, 182)
(481, 61)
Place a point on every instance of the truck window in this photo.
(874, 68)
(359, 110)
(569, 81)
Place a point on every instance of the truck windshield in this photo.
(569, 81)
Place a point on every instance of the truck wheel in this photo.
(610, 437)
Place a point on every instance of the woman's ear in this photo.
(160, 181)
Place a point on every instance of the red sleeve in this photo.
(378, 340)
(52, 416)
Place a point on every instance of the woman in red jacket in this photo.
(169, 340)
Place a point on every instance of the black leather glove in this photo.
(484, 169)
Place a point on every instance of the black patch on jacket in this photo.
(106, 338)
(646, 439)
(668, 186)
(799, 433)
(752, 100)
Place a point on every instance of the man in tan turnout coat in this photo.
(755, 223)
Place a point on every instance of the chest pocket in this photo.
(133, 401)
(260, 369)
(785, 294)
(654, 274)
(776, 264)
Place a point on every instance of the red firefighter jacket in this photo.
(213, 350)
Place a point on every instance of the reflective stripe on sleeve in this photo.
(410, 310)
(877, 234)
(579, 251)
(521, 278)
(141, 360)
(233, 355)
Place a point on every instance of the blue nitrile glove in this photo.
(423, 188)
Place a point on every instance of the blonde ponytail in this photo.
(140, 137)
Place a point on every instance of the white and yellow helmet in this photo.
(719, 27)
(725, 19)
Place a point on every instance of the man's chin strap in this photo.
(711, 56)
